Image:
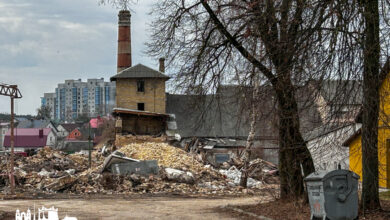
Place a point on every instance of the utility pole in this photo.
(13, 92)
(12, 177)
(89, 144)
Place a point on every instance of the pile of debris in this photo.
(48, 170)
(165, 154)
(167, 170)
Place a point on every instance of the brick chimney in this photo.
(162, 65)
(40, 133)
(124, 40)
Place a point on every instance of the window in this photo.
(141, 106)
(140, 86)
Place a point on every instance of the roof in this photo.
(33, 124)
(71, 127)
(5, 124)
(96, 122)
(225, 114)
(139, 71)
(324, 130)
(350, 139)
(385, 71)
(27, 137)
(341, 91)
(137, 112)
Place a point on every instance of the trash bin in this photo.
(333, 195)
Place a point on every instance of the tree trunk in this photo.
(247, 152)
(293, 153)
(252, 132)
(370, 195)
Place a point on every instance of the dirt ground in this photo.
(134, 208)
(292, 210)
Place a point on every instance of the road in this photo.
(138, 208)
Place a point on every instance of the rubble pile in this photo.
(165, 154)
(49, 170)
(263, 171)
(234, 175)
(52, 171)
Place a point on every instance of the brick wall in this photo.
(153, 97)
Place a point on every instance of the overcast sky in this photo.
(44, 42)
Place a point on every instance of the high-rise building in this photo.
(74, 98)
(49, 99)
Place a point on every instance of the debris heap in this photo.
(52, 171)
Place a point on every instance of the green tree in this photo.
(44, 112)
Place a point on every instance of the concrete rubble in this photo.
(51, 171)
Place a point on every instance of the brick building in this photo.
(140, 90)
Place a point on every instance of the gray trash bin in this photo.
(333, 195)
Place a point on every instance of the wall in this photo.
(74, 134)
(355, 147)
(51, 140)
(153, 97)
(327, 150)
(62, 132)
(3, 131)
(145, 125)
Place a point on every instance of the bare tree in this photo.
(298, 40)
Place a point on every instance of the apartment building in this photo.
(49, 99)
(73, 98)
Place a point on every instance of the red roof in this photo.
(27, 137)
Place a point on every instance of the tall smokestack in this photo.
(124, 40)
(162, 65)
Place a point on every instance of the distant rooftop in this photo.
(139, 71)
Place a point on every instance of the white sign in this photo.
(43, 214)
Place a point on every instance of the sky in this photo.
(44, 42)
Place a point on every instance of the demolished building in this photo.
(214, 125)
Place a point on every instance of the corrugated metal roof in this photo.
(33, 124)
(139, 71)
(27, 137)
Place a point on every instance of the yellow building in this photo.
(355, 146)
(140, 88)
(141, 100)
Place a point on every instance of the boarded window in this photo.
(140, 86)
(141, 106)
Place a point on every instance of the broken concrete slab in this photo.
(179, 176)
(144, 168)
(116, 158)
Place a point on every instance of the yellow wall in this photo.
(355, 149)
(355, 156)
(153, 97)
